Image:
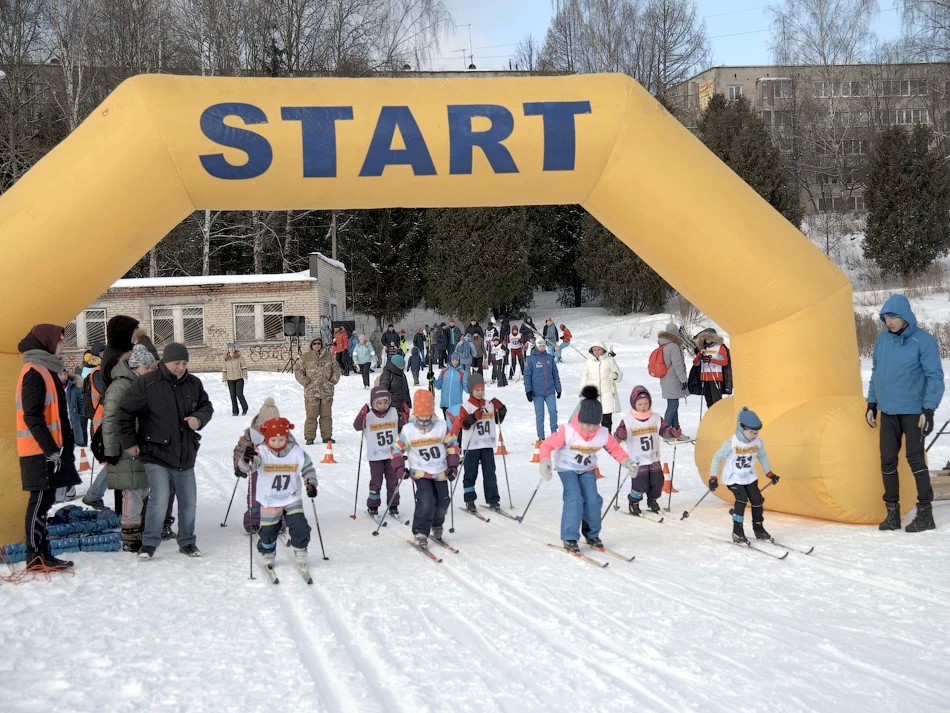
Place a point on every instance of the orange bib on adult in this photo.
(160, 147)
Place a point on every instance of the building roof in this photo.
(302, 276)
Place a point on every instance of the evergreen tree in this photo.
(478, 259)
(385, 256)
(555, 232)
(624, 282)
(733, 131)
(907, 195)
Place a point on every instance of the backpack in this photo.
(656, 366)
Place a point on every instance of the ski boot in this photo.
(595, 542)
(422, 541)
(893, 519)
(924, 520)
(269, 557)
(437, 533)
(653, 505)
(394, 511)
(634, 507)
(738, 534)
(373, 511)
(571, 546)
(300, 556)
(168, 533)
(494, 506)
(760, 532)
(470, 506)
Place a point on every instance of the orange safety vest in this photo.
(26, 444)
(97, 404)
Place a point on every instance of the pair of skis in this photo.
(428, 553)
(591, 560)
(271, 572)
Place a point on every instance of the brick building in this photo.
(207, 312)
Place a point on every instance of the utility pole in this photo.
(333, 234)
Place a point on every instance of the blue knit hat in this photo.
(749, 419)
(398, 360)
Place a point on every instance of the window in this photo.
(178, 324)
(904, 116)
(854, 146)
(828, 179)
(258, 322)
(901, 88)
(783, 89)
(735, 91)
(88, 328)
(840, 204)
(852, 89)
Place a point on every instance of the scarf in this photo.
(41, 357)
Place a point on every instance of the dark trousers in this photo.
(748, 494)
(485, 457)
(378, 470)
(364, 372)
(648, 480)
(607, 421)
(892, 427)
(477, 364)
(415, 377)
(672, 415)
(296, 523)
(712, 392)
(37, 508)
(517, 359)
(432, 501)
(236, 389)
(442, 354)
(343, 359)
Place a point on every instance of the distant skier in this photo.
(379, 423)
(737, 456)
(642, 438)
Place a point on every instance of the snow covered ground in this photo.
(508, 624)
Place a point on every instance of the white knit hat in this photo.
(267, 412)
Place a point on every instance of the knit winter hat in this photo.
(119, 331)
(231, 345)
(268, 411)
(276, 427)
(474, 381)
(749, 419)
(672, 328)
(49, 335)
(590, 411)
(639, 392)
(455, 357)
(141, 356)
(398, 360)
(423, 404)
(377, 393)
(174, 352)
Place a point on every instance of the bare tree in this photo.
(821, 32)
(528, 54)
(70, 32)
(927, 28)
(676, 45)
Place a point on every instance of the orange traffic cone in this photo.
(667, 483)
(597, 474)
(328, 456)
(501, 450)
(84, 464)
(536, 458)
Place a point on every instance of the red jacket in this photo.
(340, 342)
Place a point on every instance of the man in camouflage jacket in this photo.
(318, 372)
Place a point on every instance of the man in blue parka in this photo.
(906, 385)
(542, 385)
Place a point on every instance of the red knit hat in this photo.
(276, 427)
(423, 405)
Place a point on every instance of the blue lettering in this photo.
(318, 128)
(559, 131)
(257, 148)
(381, 153)
(463, 140)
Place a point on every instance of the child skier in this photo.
(643, 439)
(247, 445)
(415, 365)
(427, 451)
(380, 424)
(739, 454)
(281, 464)
(516, 352)
(478, 419)
(573, 448)
(499, 362)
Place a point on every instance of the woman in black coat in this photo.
(55, 467)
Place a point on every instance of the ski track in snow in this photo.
(507, 625)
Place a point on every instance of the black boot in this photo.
(653, 505)
(893, 519)
(760, 532)
(738, 534)
(924, 520)
(634, 507)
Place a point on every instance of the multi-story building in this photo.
(825, 118)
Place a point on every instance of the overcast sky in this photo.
(738, 30)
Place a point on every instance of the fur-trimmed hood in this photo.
(708, 335)
(670, 337)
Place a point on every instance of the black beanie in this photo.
(174, 352)
(119, 331)
(590, 411)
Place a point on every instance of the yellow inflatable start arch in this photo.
(162, 146)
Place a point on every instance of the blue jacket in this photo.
(906, 373)
(451, 383)
(75, 410)
(415, 361)
(363, 353)
(540, 375)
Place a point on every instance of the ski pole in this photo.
(319, 535)
(687, 513)
(359, 465)
(504, 462)
(937, 436)
(520, 518)
(669, 501)
(250, 535)
(225, 522)
(615, 498)
(452, 492)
